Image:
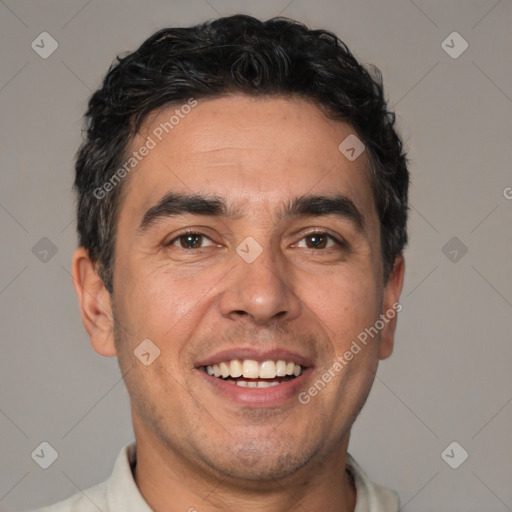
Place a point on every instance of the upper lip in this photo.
(242, 353)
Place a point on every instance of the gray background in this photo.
(449, 378)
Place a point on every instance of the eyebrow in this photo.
(175, 204)
(319, 205)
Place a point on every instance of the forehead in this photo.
(256, 152)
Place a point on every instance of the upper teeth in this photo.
(251, 369)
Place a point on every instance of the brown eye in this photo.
(316, 241)
(320, 241)
(190, 241)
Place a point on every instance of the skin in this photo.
(195, 447)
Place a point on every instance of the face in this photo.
(248, 245)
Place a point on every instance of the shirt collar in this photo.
(122, 491)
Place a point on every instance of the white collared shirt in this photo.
(120, 493)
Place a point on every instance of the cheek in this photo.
(344, 302)
(164, 305)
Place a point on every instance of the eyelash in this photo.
(342, 244)
(187, 233)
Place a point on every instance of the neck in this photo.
(169, 482)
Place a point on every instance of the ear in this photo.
(391, 306)
(94, 300)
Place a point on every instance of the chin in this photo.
(255, 461)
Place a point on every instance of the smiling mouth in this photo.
(253, 374)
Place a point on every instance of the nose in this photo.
(260, 290)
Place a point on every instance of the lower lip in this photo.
(262, 397)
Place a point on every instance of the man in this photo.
(242, 206)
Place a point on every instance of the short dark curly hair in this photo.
(235, 55)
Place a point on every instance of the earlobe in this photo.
(94, 301)
(391, 307)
